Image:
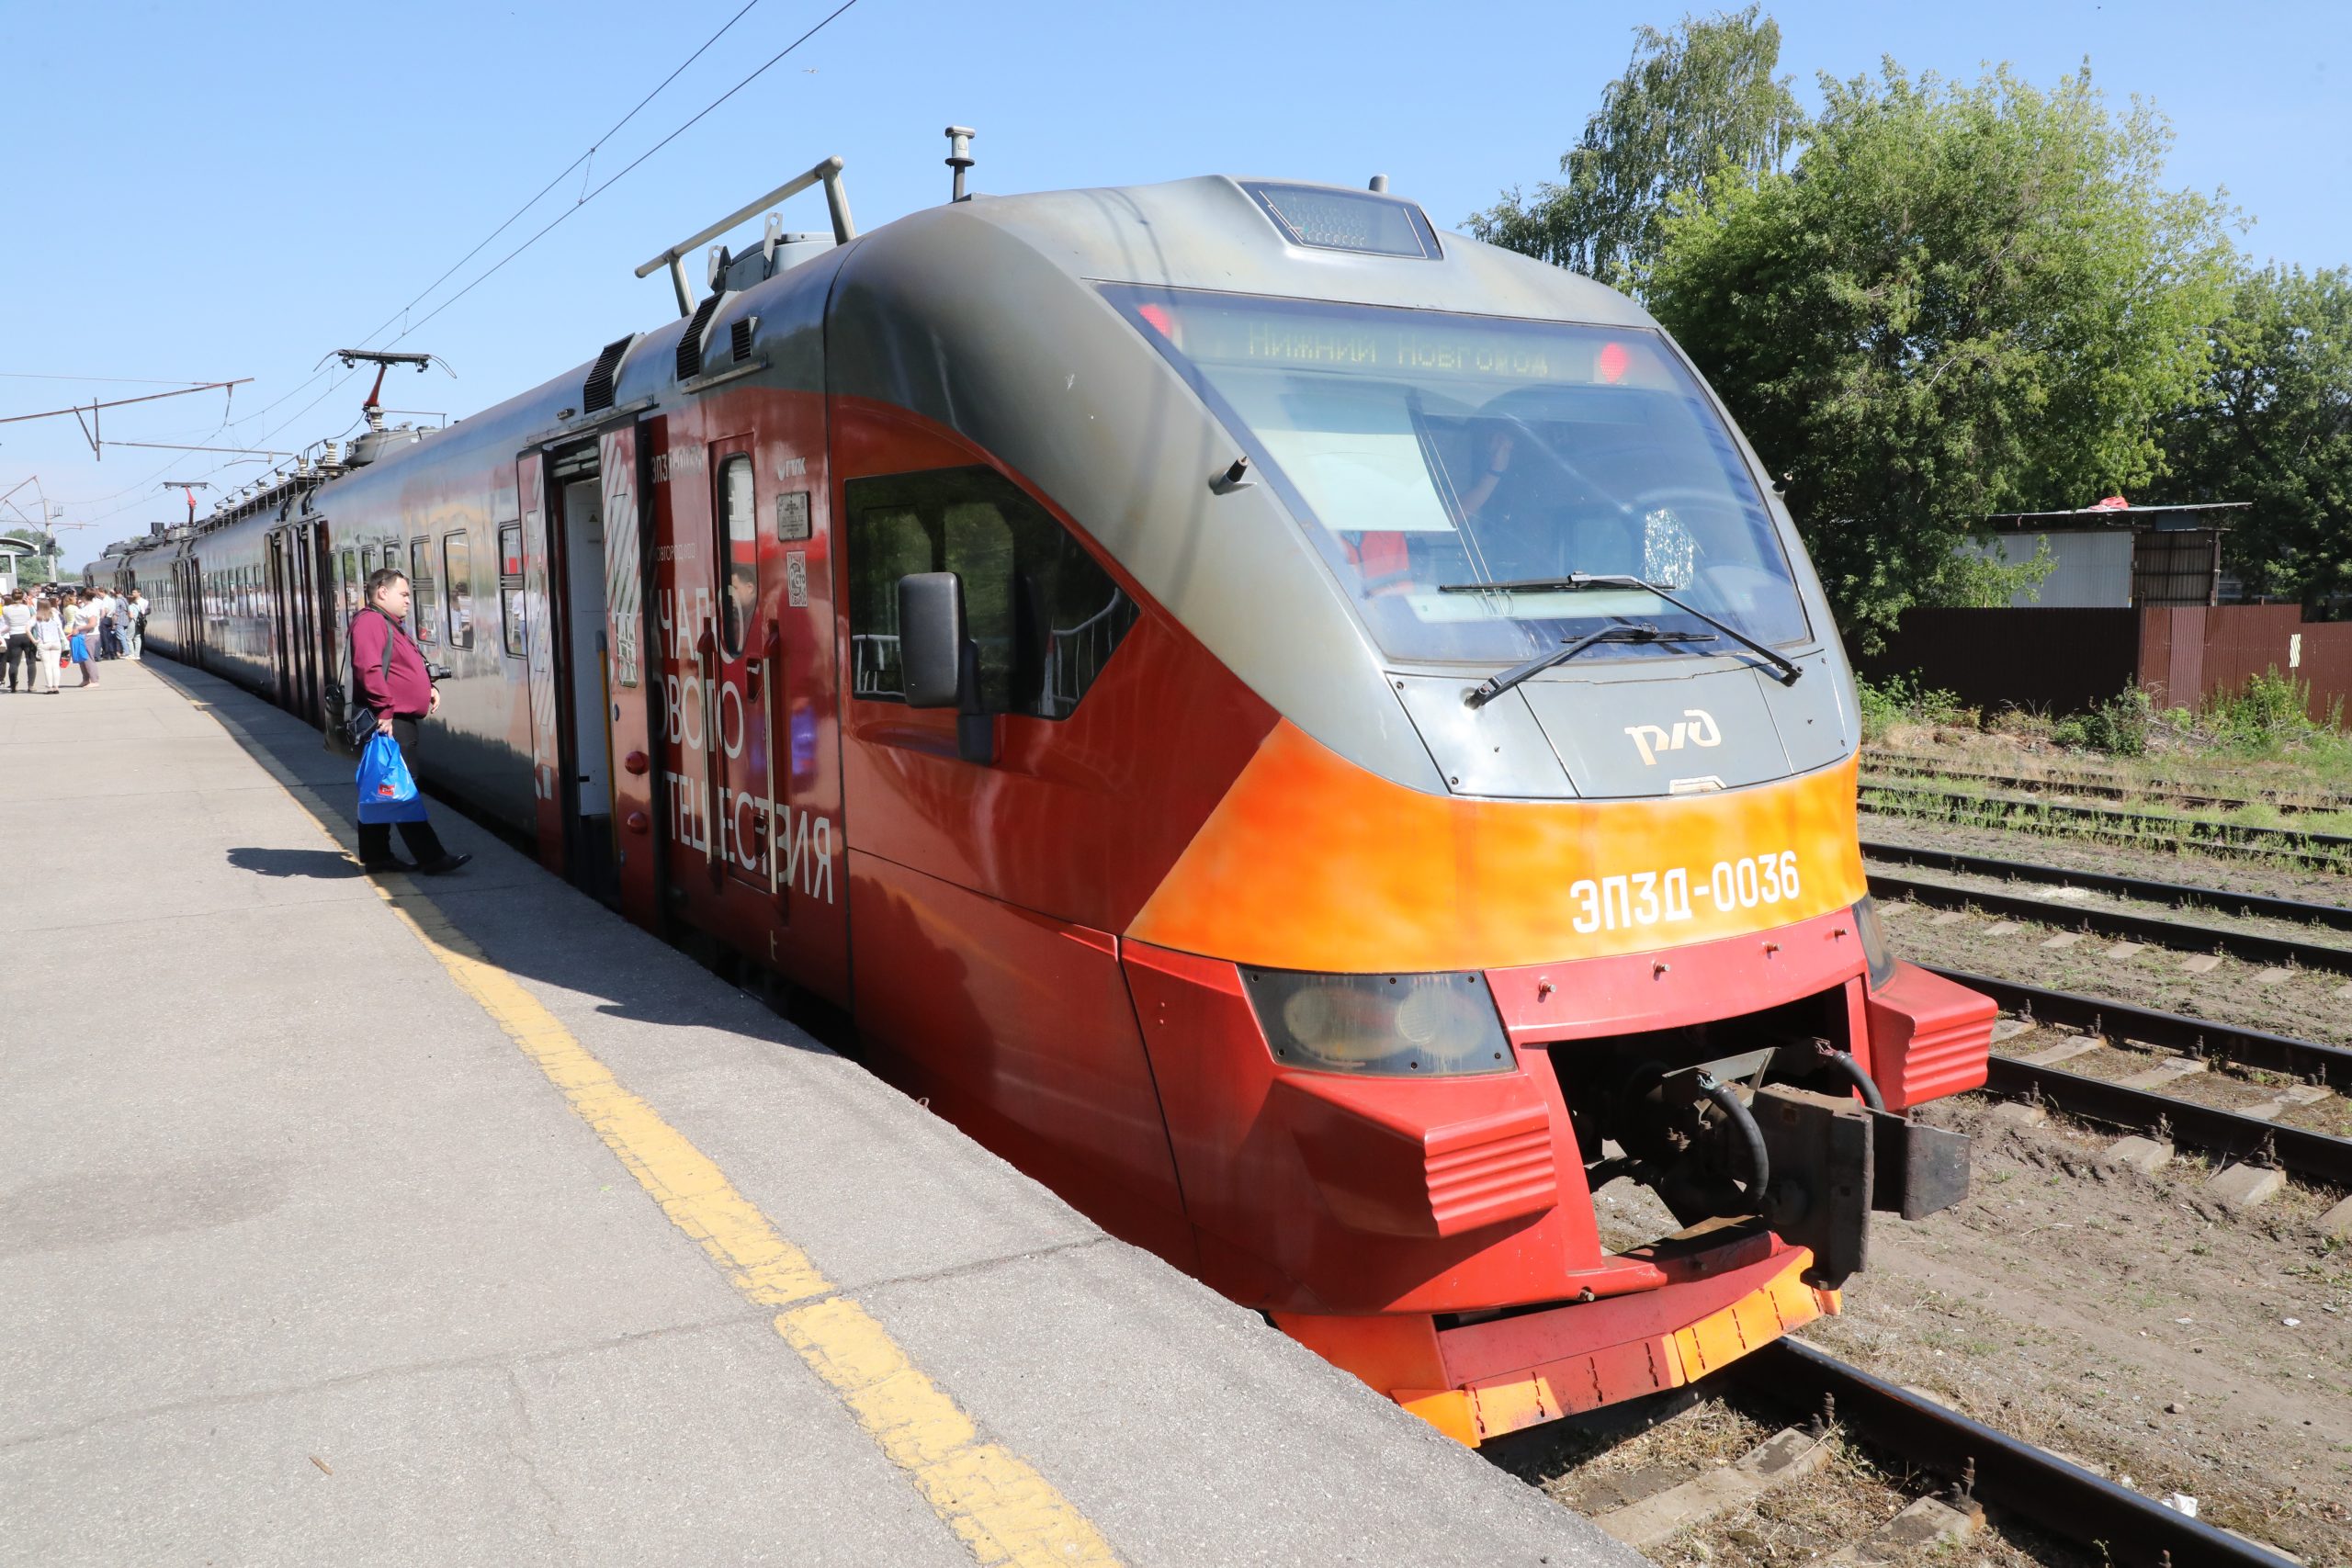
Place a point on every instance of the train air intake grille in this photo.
(598, 392)
(690, 342)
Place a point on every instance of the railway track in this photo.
(2124, 925)
(1981, 1468)
(2111, 1522)
(2248, 1134)
(2326, 852)
(2145, 891)
(2107, 786)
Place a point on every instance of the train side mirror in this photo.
(930, 638)
(939, 665)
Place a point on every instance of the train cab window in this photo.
(740, 519)
(510, 586)
(420, 581)
(351, 584)
(1465, 477)
(458, 572)
(1044, 615)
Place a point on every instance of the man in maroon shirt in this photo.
(400, 693)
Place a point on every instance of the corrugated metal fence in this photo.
(2063, 661)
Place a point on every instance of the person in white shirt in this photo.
(49, 643)
(134, 630)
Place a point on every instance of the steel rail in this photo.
(2298, 1149)
(2336, 917)
(2306, 1059)
(2249, 945)
(2108, 786)
(2009, 1473)
(2332, 851)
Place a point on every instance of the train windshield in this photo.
(1428, 451)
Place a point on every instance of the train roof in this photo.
(1290, 238)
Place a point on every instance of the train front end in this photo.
(1544, 873)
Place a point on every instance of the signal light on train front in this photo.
(1612, 362)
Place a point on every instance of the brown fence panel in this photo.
(2242, 641)
(2327, 665)
(2054, 660)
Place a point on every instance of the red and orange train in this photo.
(1312, 736)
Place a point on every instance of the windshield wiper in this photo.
(1785, 670)
(1494, 686)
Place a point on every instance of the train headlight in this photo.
(1876, 951)
(1440, 1025)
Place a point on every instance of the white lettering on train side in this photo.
(1631, 900)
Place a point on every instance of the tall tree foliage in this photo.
(1693, 101)
(2273, 426)
(1960, 300)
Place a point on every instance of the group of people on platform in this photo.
(43, 630)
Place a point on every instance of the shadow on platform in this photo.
(522, 917)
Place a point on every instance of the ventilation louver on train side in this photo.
(598, 392)
(742, 333)
(690, 342)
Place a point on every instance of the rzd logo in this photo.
(1695, 728)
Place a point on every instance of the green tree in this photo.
(1691, 102)
(2273, 426)
(1960, 300)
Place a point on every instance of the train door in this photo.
(729, 647)
(746, 643)
(580, 619)
(279, 601)
(632, 693)
(547, 774)
(303, 556)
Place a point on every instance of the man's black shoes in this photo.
(445, 865)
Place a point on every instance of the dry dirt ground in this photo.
(2312, 1003)
(2128, 1321)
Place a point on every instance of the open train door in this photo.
(285, 651)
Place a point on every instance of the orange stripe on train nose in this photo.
(1312, 863)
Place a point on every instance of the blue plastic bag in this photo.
(387, 791)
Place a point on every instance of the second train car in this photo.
(1313, 736)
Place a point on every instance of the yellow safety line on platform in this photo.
(1002, 1507)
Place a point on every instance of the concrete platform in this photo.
(323, 1240)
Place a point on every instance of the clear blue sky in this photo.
(201, 192)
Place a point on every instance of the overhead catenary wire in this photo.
(608, 185)
(610, 132)
(584, 199)
(370, 338)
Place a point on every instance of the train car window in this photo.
(740, 518)
(458, 572)
(1046, 616)
(510, 586)
(421, 610)
(350, 584)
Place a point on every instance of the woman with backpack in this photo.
(389, 675)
